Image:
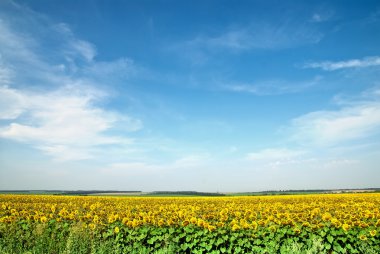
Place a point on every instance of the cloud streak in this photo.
(277, 154)
(259, 36)
(256, 35)
(354, 120)
(352, 63)
(271, 87)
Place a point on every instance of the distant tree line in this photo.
(187, 193)
(85, 192)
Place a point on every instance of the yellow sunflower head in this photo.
(346, 227)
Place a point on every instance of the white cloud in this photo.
(316, 18)
(17, 46)
(322, 16)
(275, 154)
(66, 153)
(84, 48)
(187, 162)
(120, 68)
(190, 161)
(256, 35)
(354, 120)
(75, 46)
(131, 168)
(11, 103)
(352, 63)
(5, 73)
(61, 121)
(48, 94)
(233, 149)
(259, 36)
(271, 87)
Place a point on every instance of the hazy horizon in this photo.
(210, 96)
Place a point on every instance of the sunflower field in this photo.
(323, 223)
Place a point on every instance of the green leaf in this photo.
(184, 246)
(330, 238)
(338, 248)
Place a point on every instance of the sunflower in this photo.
(92, 226)
(346, 227)
(326, 216)
(235, 227)
(297, 231)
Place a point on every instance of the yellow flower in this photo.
(254, 225)
(43, 219)
(161, 222)
(235, 227)
(273, 228)
(117, 230)
(326, 216)
(135, 223)
(363, 237)
(373, 233)
(297, 231)
(193, 220)
(346, 227)
(211, 228)
(92, 226)
(96, 219)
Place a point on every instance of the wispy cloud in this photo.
(49, 95)
(143, 168)
(60, 122)
(5, 74)
(373, 17)
(55, 56)
(317, 18)
(123, 68)
(354, 120)
(271, 87)
(322, 15)
(352, 63)
(277, 154)
(256, 35)
(74, 46)
(287, 34)
(277, 157)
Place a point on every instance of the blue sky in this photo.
(189, 95)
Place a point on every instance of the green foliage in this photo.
(62, 238)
